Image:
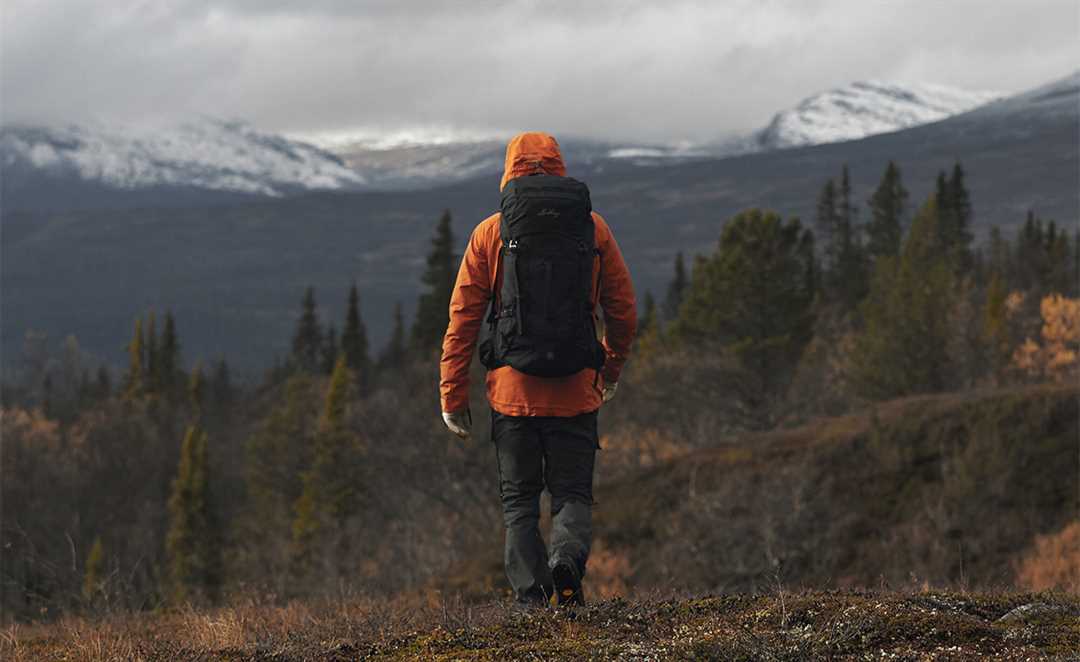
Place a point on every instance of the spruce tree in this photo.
(153, 369)
(277, 453)
(48, 403)
(995, 323)
(135, 381)
(197, 390)
(329, 350)
(103, 386)
(902, 349)
(825, 228)
(193, 542)
(433, 309)
(332, 485)
(221, 387)
(308, 339)
(354, 343)
(845, 210)
(887, 206)
(849, 272)
(393, 355)
(752, 299)
(169, 357)
(94, 573)
(649, 330)
(1076, 264)
(960, 216)
(676, 289)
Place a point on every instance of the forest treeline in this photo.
(168, 485)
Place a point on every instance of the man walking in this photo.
(528, 290)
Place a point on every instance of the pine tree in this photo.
(193, 542)
(649, 331)
(332, 485)
(48, 404)
(329, 351)
(903, 347)
(94, 574)
(308, 338)
(85, 392)
(354, 343)
(676, 289)
(825, 228)
(169, 357)
(960, 215)
(277, 453)
(995, 323)
(752, 298)
(153, 369)
(1058, 271)
(220, 391)
(845, 210)
(887, 206)
(998, 255)
(221, 388)
(393, 355)
(849, 274)
(1076, 264)
(433, 309)
(946, 221)
(103, 387)
(135, 381)
(197, 390)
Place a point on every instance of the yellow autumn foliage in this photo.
(1055, 355)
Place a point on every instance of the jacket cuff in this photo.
(454, 403)
(610, 373)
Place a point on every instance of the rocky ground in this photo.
(779, 626)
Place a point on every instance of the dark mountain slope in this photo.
(234, 274)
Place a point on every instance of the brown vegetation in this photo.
(777, 626)
(1053, 562)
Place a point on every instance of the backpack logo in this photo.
(548, 212)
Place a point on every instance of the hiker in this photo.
(527, 292)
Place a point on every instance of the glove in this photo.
(609, 390)
(460, 423)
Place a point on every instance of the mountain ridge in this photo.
(234, 274)
(98, 166)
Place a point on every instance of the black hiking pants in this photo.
(533, 453)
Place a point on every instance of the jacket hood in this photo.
(531, 152)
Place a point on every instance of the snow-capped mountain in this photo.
(419, 158)
(207, 160)
(862, 109)
(204, 154)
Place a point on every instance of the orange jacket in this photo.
(511, 392)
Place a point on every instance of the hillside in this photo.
(234, 274)
(950, 489)
(865, 108)
(777, 626)
(212, 161)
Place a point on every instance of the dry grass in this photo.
(848, 625)
(1053, 562)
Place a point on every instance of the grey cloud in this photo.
(656, 70)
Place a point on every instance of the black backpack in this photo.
(541, 317)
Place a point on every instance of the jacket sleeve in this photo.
(618, 303)
(468, 302)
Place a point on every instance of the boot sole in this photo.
(567, 589)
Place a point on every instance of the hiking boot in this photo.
(567, 586)
(533, 600)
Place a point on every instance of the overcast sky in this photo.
(652, 70)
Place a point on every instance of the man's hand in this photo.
(460, 422)
(609, 390)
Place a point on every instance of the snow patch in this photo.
(866, 108)
(210, 154)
